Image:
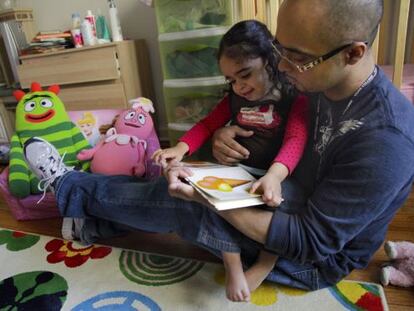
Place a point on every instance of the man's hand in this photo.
(177, 187)
(226, 149)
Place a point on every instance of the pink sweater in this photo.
(294, 140)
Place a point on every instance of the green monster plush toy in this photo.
(42, 114)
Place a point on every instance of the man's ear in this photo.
(356, 52)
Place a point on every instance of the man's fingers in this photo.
(223, 159)
(230, 152)
(225, 145)
(242, 132)
(175, 171)
(235, 150)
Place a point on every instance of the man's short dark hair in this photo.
(351, 20)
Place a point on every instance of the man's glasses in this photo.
(303, 62)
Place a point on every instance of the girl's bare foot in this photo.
(260, 270)
(237, 288)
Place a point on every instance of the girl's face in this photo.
(248, 78)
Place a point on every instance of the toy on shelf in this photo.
(400, 272)
(123, 150)
(42, 114)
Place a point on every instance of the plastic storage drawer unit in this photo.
(184, 15)
(188, 101)
(190, 54)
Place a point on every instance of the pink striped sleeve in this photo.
(296, 134)
(206, 127)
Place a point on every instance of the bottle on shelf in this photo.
(114, 21)
(87, 33)
(76, 20)
(76, 37)
(102, 30)
(75, 31)
(91, 18)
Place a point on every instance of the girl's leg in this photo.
(237, 288)
(259, 271)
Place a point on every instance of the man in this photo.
(356, 171)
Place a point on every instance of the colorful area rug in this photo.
(43, 273)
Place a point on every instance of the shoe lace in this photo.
(46, 182)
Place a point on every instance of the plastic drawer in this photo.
(188, 101)
(184, 15)
(191, 54)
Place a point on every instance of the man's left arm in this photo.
(368, 180)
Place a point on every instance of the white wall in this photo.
(137, 21)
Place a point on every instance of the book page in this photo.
(223, 182)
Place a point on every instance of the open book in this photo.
(225, 187)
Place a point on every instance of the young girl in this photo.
(258, 102)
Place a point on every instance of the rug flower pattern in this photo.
(16, 241)
(125, 280)
(73, 255)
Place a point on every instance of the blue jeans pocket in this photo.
(217, 234)
(295, 275)
(310, 277)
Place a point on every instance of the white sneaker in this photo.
(71, 228)
(390, 250)
(45, 162)
(385, 276)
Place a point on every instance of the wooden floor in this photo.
(402, 228)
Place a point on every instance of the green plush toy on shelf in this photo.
(42, 114)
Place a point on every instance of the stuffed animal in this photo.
(401, 270)
(42, 114)
(123, 150)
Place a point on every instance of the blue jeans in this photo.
(116, 204)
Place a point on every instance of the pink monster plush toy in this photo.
(401, 270)
(123, 150)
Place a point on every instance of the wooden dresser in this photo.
(96, 77)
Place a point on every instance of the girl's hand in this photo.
(270, 188)
(164, 156)
(270, 184)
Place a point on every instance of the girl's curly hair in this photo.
(251, 39)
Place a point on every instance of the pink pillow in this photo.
(89, 123)
(27, 208)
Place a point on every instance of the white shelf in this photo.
(183, 127)
(209, 32)
(194, 82)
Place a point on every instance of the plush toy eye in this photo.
(130, 115)
(141, 118)
(46, 103)
(29, 106)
